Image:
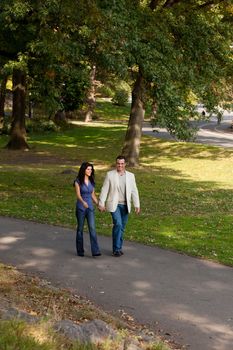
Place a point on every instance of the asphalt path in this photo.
(209, 132)
(188, 300)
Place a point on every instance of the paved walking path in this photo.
(209, 132)
(189, 300)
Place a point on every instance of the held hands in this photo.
(137, 211)
(101, 208)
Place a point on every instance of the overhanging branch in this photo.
(210, 3)
(153, 4)
(170, 3)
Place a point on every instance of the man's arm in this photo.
(135, 196)
(104, 193)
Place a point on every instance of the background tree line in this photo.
(171, 52)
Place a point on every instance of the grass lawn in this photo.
(186, 189)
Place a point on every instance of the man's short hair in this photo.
(120, 157)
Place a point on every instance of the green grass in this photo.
(108, 111)
(17, 334)
(186, 189)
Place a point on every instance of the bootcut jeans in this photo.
(89, 215)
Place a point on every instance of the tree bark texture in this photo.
(91, 96)
(18, 132)
(131, 147)
(2, 98)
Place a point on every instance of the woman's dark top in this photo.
(85, 191)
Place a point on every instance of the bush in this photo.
(41, 125)
(121, 97)
(6, 124)
(6, 128)
(105, 91)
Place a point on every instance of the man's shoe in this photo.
(117, 254)
(80, 254)
(97, 254)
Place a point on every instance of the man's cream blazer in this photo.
(110, 189)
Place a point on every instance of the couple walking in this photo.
(118, 189)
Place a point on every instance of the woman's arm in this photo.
(78, 194)
(94, 198)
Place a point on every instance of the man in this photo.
(119, 188)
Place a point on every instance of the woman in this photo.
(84, 187)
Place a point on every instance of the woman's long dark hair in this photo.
(81, 173)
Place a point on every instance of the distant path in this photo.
(209, 132)
(189, 300)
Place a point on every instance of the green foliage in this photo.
(105, 91)
(13, 336)
(73, 90)
(44, 42)
(6, 125)
(121, 97)
(181, 49)
(41, 125)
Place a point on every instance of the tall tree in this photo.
(42, 43)
(3, 80)
(181, 49)
(18, 131)
(90, 99)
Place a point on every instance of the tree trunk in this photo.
(153, 115)
(2, 98)
(134, 131)
(91, 96)
(18, 132)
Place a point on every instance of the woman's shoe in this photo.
(97, 254)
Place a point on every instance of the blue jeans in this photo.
(90, 216)
(119, 218)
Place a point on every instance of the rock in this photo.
(98, 330)
(95, 331)
(12, 313)
(70, 330)
(131, 344)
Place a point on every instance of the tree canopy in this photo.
(173, 52)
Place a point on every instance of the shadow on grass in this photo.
(104, 143)
(156, 148)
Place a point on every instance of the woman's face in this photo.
(88, 171)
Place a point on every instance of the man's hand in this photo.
(137, 210)
(101, 208)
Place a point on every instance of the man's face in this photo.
(120, 165)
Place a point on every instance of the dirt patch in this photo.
(32, 157)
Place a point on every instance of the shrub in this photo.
(105, 91)
(121, 97)
(41, 125)
(6, 125)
